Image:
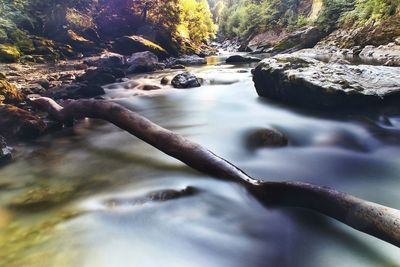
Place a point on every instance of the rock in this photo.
(127, 45)
(185, 80)
(385, 54)
(266, 138)
(304, 81)
(306, 37)
(75, 91)
(149, 87)
(241, 59)
(19, 123)
(9, 53)
(143, 62)
(2, 76)
(101, 76)
(5, 151)
(9, 93)
(165, 80)
(188, 61)
(397, 40)
(34, 89)
(44, 83)
(178, 67)
(109, 60)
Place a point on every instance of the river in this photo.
(93, 172)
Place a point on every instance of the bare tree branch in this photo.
(368, 217)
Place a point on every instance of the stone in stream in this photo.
(301, 80)
(241, 59)
(185, 80)
(5, 151)
(101, 76)
(156, 196)
(266, 137)
(165, 80)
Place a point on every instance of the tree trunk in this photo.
(371, 218)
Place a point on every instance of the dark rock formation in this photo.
(75, 91)
(185, 80)
(242, 59)
(143, 62)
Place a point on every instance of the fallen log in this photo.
(368, 217)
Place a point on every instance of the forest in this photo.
(199, 133)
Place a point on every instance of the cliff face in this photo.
(340, 23)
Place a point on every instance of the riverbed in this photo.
(93, 171)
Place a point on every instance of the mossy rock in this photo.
(21, 40)
(127, 45)
(9, 53)
(9, 92)
(19, 123)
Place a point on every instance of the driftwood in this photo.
(371, 218)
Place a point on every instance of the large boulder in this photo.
(385, 54)
(127, 45)
(301, 80)
(9, 53)
(9, 93)
(143, 62)
(185, 80)
(19, 123)
(242, 59)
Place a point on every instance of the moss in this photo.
(9, 53)
(16, 240)
(10, 93)
(43, 197)
(21, 39)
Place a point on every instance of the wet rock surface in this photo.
(185, 80)
(5, 151)
(304, 81)
(9, 93)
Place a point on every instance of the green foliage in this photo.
(370, 10)
(245, 17)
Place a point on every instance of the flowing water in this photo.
(71, 198)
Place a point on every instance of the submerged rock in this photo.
(19, 123)
(241, 59)
(165, 80)
(266, 138)
(143, 62)
(304, 81)
(185, 80)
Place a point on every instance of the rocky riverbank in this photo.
(74, 79)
